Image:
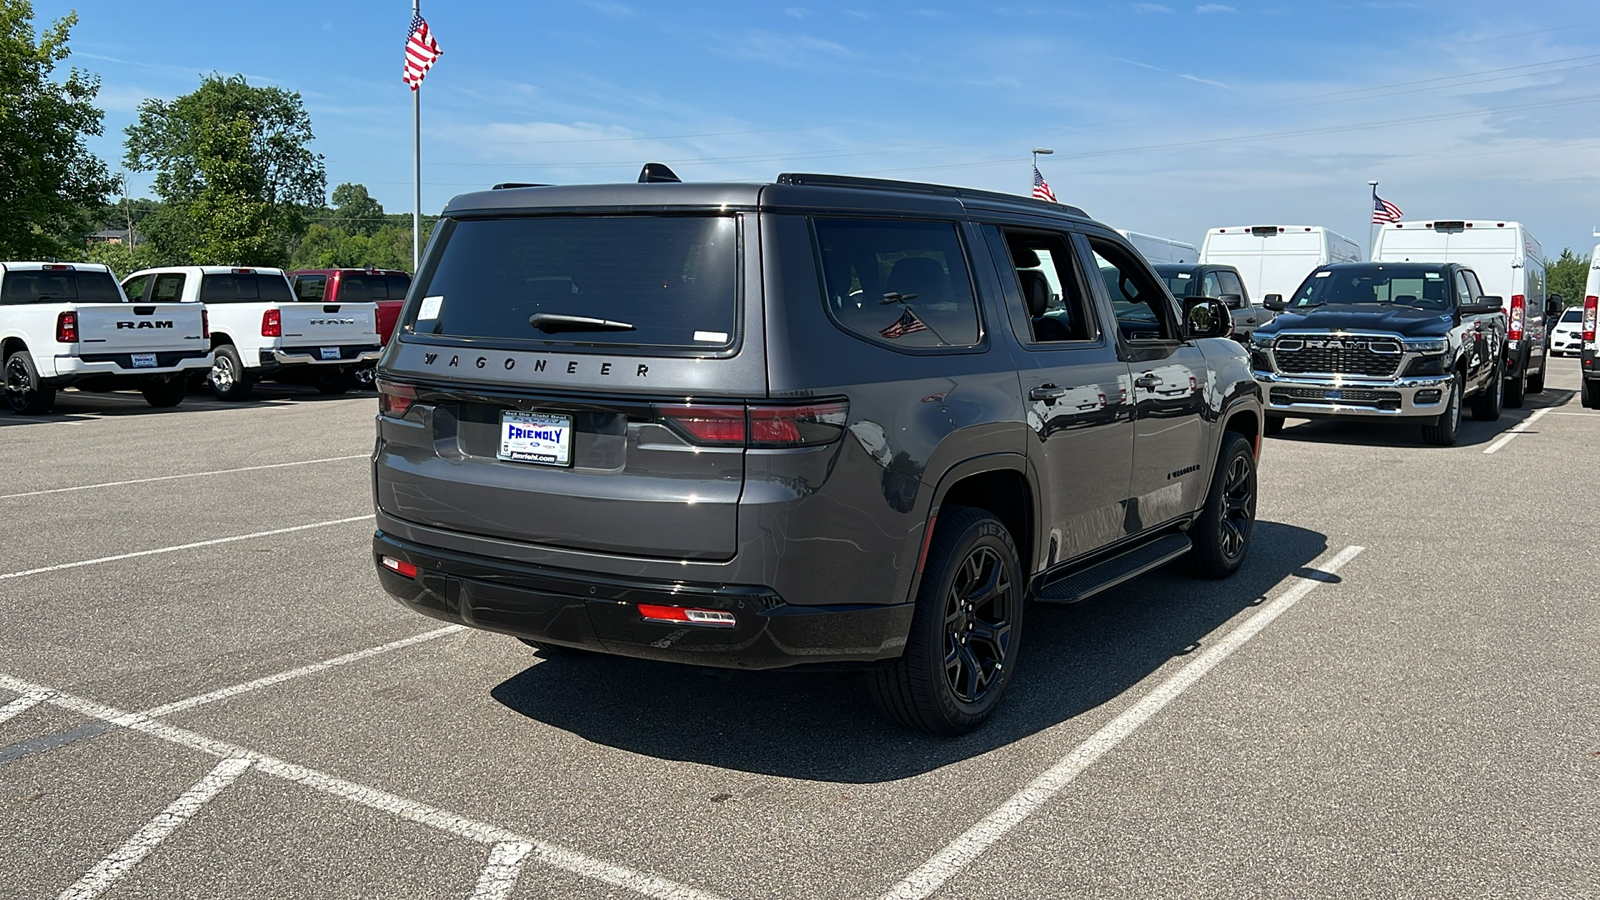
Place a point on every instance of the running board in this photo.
(1114, 571)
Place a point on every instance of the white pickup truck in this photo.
(259, 330)
(70, 325)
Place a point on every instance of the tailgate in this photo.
(329, 324)
(140, 327)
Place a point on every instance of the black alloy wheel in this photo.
(25, 393)
(977, 625)
(1221, 535)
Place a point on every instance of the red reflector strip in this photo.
(714, 618)
(399, 565)
(927, 541)
(707, 424)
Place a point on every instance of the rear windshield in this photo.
(237, 288)
(52, 286)
(1178, 280)
(1389, 285)
(364, 288)
(654, 281)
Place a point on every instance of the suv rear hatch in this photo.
(578, 382)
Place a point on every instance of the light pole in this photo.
(1037, 152)
(1372, 207)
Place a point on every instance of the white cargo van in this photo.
(1509, 263)
(1274, 259)
(1589, 353)
(1160, 250)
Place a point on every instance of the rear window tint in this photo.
(236, 288)
(899, 283)
(673, 281)
(49, 287)
(364, 288)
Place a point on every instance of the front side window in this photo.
(1230, 284)
(1144, 313)
(1051, 289)
(905, 284)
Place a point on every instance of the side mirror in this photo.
(1555, 306)
(1232, 301)
(1488, 299)
(1274, 302)
(1205, 317)
(1485, 306)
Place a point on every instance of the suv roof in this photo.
(363, 270)
(35, 266)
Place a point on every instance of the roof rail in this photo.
(917, 187)
(515, 184)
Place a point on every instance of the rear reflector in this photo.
(399, 565)
(711, 618)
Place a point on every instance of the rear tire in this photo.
(1221, 535)
(1588, 393)
(166, 394)
(25, 393)
(1517, 388)
(965, 631)
(1490, 401)
(1536, 382)
(1443, 431)
(229, 381)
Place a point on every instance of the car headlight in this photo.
(1439, 346)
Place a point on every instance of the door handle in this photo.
(1148, 382)
(1049, 393)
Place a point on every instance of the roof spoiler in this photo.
(506, 185)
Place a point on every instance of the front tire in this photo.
(965, 631)
(26, 393)
(229, 381)
(1443, 431)
(166, 394)
(1486, 407)
(1221, 535)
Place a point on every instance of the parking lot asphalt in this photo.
(204, 693)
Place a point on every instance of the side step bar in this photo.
(1131, 564)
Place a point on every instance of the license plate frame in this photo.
(144, 361)
(535, 438)
(329, 352)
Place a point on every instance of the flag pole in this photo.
(1372, 209)
(416, 165)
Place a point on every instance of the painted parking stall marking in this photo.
(961, 852)
(1521, 428)
(107, 484)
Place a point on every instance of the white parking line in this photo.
(211, 543)
(113, 867)
(479, 832)
(21, 705)
(500, 876)
(961, 852)
(1521, 428)
(248, 686)
(106, 484)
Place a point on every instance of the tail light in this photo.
(272, 323)
(1589, 304)
(399, 566)
(712, 618)
(205, 324)
(67, 328)
(756, 425)
(1519, 315)
(394, 399)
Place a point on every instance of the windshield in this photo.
(661, 281)
(1421, 287)
(51, 285)
(1574, 314)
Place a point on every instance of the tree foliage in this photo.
(233, 171)
(50, 184)
(1567, 276)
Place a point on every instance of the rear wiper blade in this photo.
(551, 322)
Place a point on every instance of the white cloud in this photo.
(1203, 80)
(1209, 8)
(798, 12)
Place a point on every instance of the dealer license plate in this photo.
(330, 352)
(543, 438)
(144, 360)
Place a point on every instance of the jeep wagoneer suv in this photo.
(826, 421)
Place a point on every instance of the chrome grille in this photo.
(1373, 357)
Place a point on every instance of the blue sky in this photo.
(1166, 118)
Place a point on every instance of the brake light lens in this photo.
(400, 566)
(272, 323)
(205, 324)
(1519, 315)
(1590, 304)
(757, 425)
(67, 328)
(395, 399)
(711, 618)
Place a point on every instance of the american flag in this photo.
(1041, 188)
(1383, 211)
(421, 52)
(908, 323)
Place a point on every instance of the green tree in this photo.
(233, 171)
(1567, 276)
(123, 259)
(355, 211)
(51, 186)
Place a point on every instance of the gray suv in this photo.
(828, 421)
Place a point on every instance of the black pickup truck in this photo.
(1221, 283)
(1384, 341)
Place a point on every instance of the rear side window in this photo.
(240, 288)
(651, 281)
(900, 283)
(51, 286)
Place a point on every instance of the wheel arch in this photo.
(10, 345)
(999, 484)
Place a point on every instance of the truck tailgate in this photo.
(140, 327)
(329, 324)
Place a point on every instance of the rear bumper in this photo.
(281, 357)
(595, 612)
(77, 368)
(1316, 398)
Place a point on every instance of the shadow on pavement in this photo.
(821, 726)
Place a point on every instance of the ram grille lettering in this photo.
(144, 324)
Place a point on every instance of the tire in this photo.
(229, 380)
(1588, 393)
(1271, 425)
(1490, 401)
(965, 631)
(1517, 388)
(1443, 431)
(1536, 382)
(338, 381)
(166, 394)
(25, 393)
(1222, 533)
